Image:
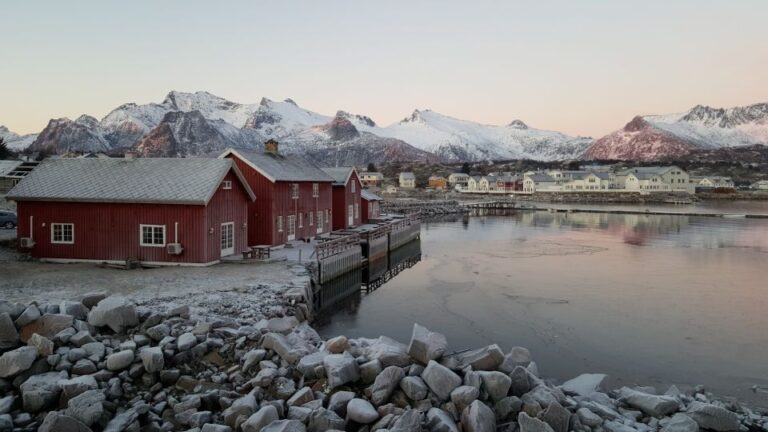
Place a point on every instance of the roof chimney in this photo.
(271, 147)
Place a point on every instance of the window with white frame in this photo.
(226, 184)
(315, 190)
(310, 216)
(152, 235)
(320, 218)
(353, 187)
(357, 210)
(62, 233)
(301, 220)
(291, 225)
(327, 216)
(294, 190)
(279, 224)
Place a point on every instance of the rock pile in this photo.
(103, 363)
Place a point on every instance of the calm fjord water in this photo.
(650, 300)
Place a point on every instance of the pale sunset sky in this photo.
(580, 67)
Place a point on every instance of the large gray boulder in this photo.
(386, 382)
(186, 341)
(414, 387)
(463, 396)
(9, 337)
(244, 406)
(477, 417)
(41, 391)
(77, 385)
(496, 384)
(518, 356)
(388, 351)
(361, 411)
(87, 407)
(152, 358)
(680, 423)
(30, 314)
(42, 345)
(584, 384)
(120, 360)
(16, 361)
(282, 426)
(58, 422)
(440, 421)
(557, 417)
(47, 325)
(440, 379)
(266, 415)
(426, 345)
(116, 312)
(338, 402)
(409, 421)
(653, 405)
(530, 424)
(488, 358)
(588, 418)
(340, 369)
(709, 416)
(322, 420)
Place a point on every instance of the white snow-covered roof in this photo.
(278, 167)
(340, 175)
(370, 196)
(159, 181)
(6, 166)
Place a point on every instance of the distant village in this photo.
(590, 179)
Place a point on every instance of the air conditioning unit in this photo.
(174, 248)
(26, 243)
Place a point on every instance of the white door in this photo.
(350, 216)
(319, 222)
(291, 227)
(227, 238)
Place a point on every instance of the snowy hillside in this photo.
(654, 137)
(455, 139)
(15, 141)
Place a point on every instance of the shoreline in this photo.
(225, 364)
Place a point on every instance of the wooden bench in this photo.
(262, 251)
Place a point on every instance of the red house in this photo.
(371, 205)
(158, 211)
(294, 196)
(346, 197)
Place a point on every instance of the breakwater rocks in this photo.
(606, 197)
(424, 208)
(102, 363)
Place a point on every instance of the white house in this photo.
(590, 181)
(760, 185)
(541, 182)
(407, 180)
(460, 179)
(712, 182)
(484, 185)
(656, 179)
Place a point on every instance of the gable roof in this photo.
(370, 196)
(340, 175)
(541, 178)
(278, 167)
(151, 180)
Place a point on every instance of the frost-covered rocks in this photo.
(426, 345)
(487, 359)
(261, 418)
(43, 345)
(477, 417)
(16, 361)
(41, 391)
(680, 423)
(496, 384)
(186, 341)
(47, 325)
(340, 369)
(361, 411)
(87, 407)
(709, 416)
(414, 387)
(584, 384)
(9, 336)
(152, 358)
(386, 382)
(115, 312)
(530, 424)
(650, 404)
(120, 360)
(440, 421)
(440, 379)
(58, 422)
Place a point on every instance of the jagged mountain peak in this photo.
(290, 101)
(357, 118)
(517, 124)
(637, 123)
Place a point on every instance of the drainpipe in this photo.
(176, 232)
(31, 227)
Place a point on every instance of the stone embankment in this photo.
(104, 363)
(423, 208)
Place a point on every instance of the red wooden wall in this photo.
(110, 231)
(343, 197)
(370, 209)
(274, 199)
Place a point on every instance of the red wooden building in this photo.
(346, 197)
(371, 205)
(158, 211)
(294, 196)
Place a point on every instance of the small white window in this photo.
(320, 218)
(294, 190)
(310, 216)
(152, 235)
(353, 186)
(301, 220)
(227, 184)
(357, 210)
(62, 233)
(315, 190)
(279, 224)
(327, 216)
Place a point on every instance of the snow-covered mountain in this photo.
(655, 137)
(458, 140)
(15, 141)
